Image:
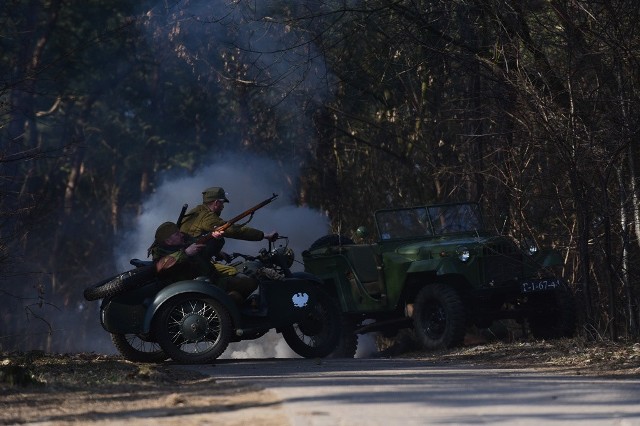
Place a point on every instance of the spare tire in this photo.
(117, 284)
(330, 240)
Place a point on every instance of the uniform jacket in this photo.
(186, 267)
(201, 220)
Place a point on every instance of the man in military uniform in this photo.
(205, 218)
(191, 261)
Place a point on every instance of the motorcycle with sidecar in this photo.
(193, 321)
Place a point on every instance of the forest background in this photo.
(528, 107)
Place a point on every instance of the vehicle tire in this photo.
(439, 318)
(319, 333)
(554, 314)
(330, 240)
(193, 328)
(120, 283)
(348, 342)
(136, 349)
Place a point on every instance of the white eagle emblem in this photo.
(300, 300)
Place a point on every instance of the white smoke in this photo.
(248, 181)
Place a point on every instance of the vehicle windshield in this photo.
(417, 222)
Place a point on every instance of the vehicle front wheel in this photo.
(136, 349)
(317, 335)
(193, 328)
(438, 317)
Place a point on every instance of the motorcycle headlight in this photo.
(464, 254)
(286, 254)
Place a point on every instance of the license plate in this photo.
(532, 286)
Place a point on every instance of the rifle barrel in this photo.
(230, 222)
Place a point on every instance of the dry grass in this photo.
(573, 356)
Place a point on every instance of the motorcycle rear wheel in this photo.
(136, 349)
(319, 334)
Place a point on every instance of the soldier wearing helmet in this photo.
(206, 218)
(188, 255)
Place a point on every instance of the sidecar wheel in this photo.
(117, 284)
(319, 334)
(193, 328)
(136, 349)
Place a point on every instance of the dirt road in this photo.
(412, 392)
(568, 382)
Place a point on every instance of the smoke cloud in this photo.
(247, 180)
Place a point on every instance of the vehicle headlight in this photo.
(530, 247)
(463, 254)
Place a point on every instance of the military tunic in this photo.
(200, 220)
(186, 267)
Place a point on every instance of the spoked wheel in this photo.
(136, 349)
(193, 328)
(438, 317)
(318, 334)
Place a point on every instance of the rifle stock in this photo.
(168, 261)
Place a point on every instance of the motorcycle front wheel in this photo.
(136, 349)
(317, 335)
(193, 328)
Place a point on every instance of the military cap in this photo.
(166, 230)
(214, 193)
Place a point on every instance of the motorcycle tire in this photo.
(135, 349)
(120, 283)
(319, 334)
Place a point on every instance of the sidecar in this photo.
(193, 321)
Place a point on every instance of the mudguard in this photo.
(289, 300)
(442, 266)
(191, 286)
(125, 312)
(307, 277)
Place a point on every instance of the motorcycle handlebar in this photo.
(249, 257)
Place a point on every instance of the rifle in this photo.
(181, 216)
(168, 261)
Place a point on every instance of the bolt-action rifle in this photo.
(168, 261)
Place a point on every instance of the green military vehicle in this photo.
(437, 270)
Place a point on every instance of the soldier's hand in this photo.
(217, 234)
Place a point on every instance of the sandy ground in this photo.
(97, 390)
